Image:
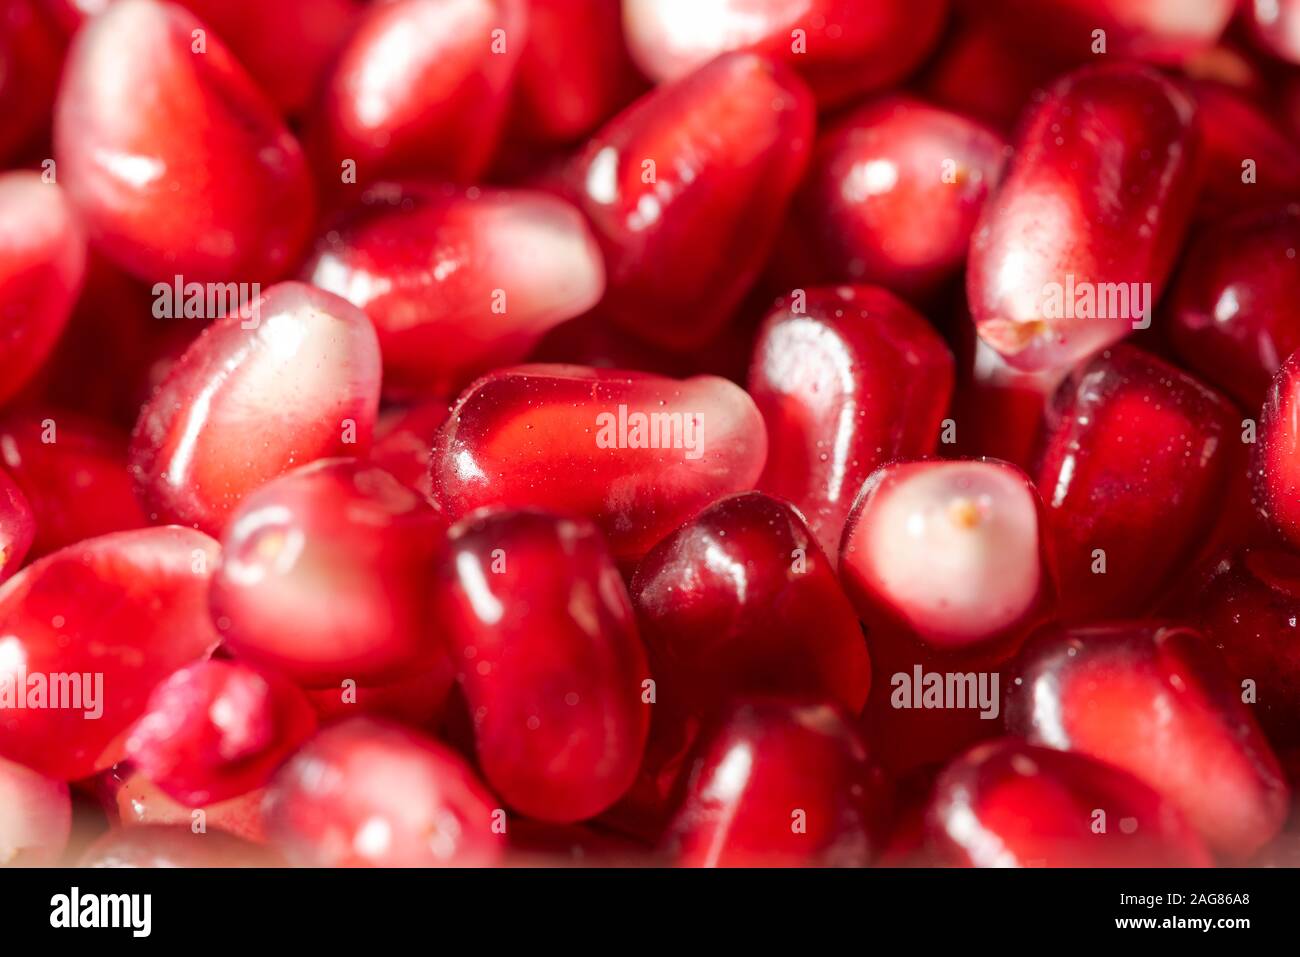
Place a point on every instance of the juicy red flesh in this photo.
(17, 526)
(1276, 455)
(1137, 457)
(846, 379)
(692, 174)
(217, 729)
(1155, 701)
(543, 637)
(1008, 804)
(31, 51)
(522, 436)
(342, 528)
(371, 794)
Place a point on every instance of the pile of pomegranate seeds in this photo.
(643, 432)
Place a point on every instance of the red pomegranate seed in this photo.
(138, 802)
(950, 550)
(846, 378)
(229, 200)
(691, 175)
(35, 817)
(90, 630)
(31, 49)
(42, 265)
(575, 71)
(458, 282)
(651, 451)
(287, 46)
(17, 526)
(1155, 701)
(1073, 249)
(1250, 610)
(742, 601)
(342, 529)
(543, 635)
(1136, 462)
(419, 699)
(420, 90)
(404, 441)
(1275, 25)
(777, 785)
(157, 845)
(72, 470)
(370, 794)
(843, 48)
(1235, 130)
(1235, 312)
(1008, 804)
(291, 378)
(892, 195)
(217, 729)
(1276, 456)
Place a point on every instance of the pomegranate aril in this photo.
(73, 473)
(1276, 456)
(17, 526)
(1249, 160)
(419, 698)
(459, 282)
(42, 265)
(138, 802)
(291, 378)
(1137, 458)
(1009, 804)
(638, 454)
(420, 90)
(843, 48)
(543, 636)
(366, 793)
(404, 439)
(35, 816)
(742, 601)
(342, 529)
(1275, 25)
(1235, 309)
(217, 729)
(231, 199)
(692, 174)
(846, 378)
(31, 52)
(777, 784)
(90, 630)
(1155, 700)
(951, 551)
(892, 195)
(158, 845)
(1073, 249)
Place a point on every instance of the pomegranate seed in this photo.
(950, 550)
(420, 90)
(1234, 130)
(776, 785)
(891, 197)
(291, 378)
(1095, 203)
(1276, 457)
(1249, 610)
(72, 471)
(35, 817)
(42, 265)
(232, 198)
(846, 378)
(339, 528)
(369, 794)
(1235, 313)
(1275, 25)
(1135, 463)
(156, 845)
(1155, 701)
(404, 443)
(17, 526)
(742, 601)
(418, 699)
(575, 71)
(1008, 804)
(843, 48)
(31, 49)
(218, 729)
(459, 282)
(691, 175)
(92, 629)
(138, 802)
(543, 636)
(651, 451)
